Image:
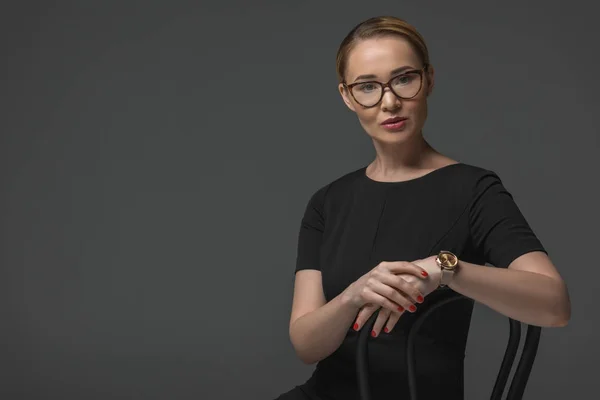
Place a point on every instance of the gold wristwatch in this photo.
(448, 262)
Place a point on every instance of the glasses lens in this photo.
(367, 94)
(407, 85)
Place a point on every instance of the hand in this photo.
(386, 287)
(424, 286)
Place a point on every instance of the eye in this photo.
(405, 79)
(367, 87)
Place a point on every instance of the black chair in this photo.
(520, 378)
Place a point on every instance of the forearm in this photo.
(319, 333)
(525, 296)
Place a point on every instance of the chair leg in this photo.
(508, 361)
(519, 381)
(362, 358)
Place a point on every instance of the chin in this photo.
(386, 136)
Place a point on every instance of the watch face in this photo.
(447, 259)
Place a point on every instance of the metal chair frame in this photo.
(520, 378)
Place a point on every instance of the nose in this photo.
(389, 100)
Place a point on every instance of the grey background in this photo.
(157, 158)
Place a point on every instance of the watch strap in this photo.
(446, 277)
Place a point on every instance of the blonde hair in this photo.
(379, 27)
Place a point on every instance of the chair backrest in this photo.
(520, 378)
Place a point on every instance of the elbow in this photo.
(562, 318)
(301, 353)
(561, 314)
(559, 321)
(304, 356)
(551, 319)
(306, 360)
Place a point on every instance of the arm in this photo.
(524, 283)
(317, 328)
(530, 290)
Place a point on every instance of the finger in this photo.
(381, 295)
(363, 316)
(393, 299)
(382, 318)
(407, 288)
(391, 322)
(399, 267)
(419, 284)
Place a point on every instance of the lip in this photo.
(393, 120)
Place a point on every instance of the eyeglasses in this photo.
(405, 86)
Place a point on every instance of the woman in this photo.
(372, 239)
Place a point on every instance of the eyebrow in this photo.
(394, 72)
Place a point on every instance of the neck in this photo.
(402, 159)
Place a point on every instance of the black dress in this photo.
(354, 222)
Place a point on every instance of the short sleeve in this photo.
(498, 228)
(310, 236)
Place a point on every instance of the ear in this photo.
(346, 97)
(430, 74)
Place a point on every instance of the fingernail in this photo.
(373, 333)
(420, 299)
(400, 308)
(412, 308)
(355, 327)
(386, 330)
(424, 273)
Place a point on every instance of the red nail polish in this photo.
(412, 308)
(420, 299)
(386, 330)
(373, 333)
(400, 308)
(424, 273)
(355, 327)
